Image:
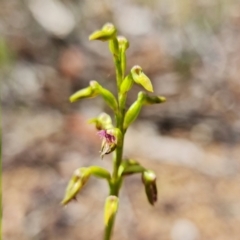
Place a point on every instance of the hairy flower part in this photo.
(108, 142)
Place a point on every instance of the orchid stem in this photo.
(117, 159)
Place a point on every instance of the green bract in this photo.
(112, 133)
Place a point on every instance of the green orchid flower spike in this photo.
(112, 133)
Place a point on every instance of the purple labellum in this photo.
(108, 142)
(108, 137)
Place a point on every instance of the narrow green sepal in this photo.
(140, 78)
(149, 181)
(103, 121)
(87, 92)
(110, 209)
(78, 180)
(126, 84)
(106, 95)
(107, 32)
(100, 172)
(133, 111)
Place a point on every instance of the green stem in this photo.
(116, 181)
(118, 71)
(108, 229)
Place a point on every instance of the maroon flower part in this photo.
(108, 142)
(108, 137)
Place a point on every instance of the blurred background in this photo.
(191, 52)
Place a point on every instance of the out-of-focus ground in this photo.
(191, 52)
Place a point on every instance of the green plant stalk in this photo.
(117, 159)
(108, 229)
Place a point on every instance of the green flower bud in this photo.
(133, 111)
(126, 84)
(78, 180)
(106, 94)
(140, 78)
(149, 181)
(149, 100)
(88, 92)
(103, 121)
(123, 42)
(107, 32)
(110, 209)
